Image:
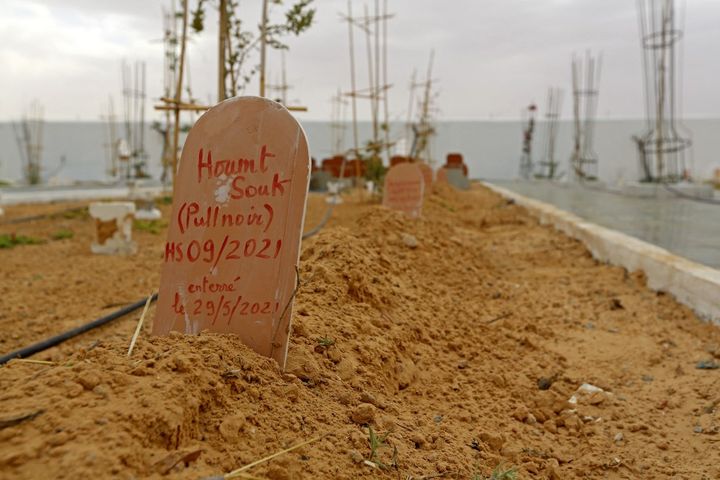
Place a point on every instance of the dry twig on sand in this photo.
(239, 473)
(30, 360)
(139, 326)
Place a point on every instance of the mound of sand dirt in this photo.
(461, 337)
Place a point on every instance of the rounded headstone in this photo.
(404, 187)
(234, 238)
(427, 174)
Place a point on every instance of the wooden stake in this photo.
(178, 91)
(371, 77)
(263, 47)
(384, 81)
(222, 38)
(377, 64)
(408, 125)
(352, 81)
(139, 326)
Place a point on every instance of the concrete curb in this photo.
(692, 284)
(46, 194)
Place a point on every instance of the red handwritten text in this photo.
(189, 215)
(230, 167)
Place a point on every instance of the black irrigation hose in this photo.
(58, 339)
(24, 219)
(322, 223)
(42, 216)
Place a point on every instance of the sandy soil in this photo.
(461, 336)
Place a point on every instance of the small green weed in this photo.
(378, 442)
(150, 226)
(10, 240)
(81, 213)
(62, 234)
(325, 342)
(500, 473)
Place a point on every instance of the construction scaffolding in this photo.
(338, 126)
(661, 148)
(29, 139)
(170, 66)
(548, 167)
(585, 82)
(112, 167)
(423, 128)
(375, 29)
(282, 87)
(526, 162)
(133, 90)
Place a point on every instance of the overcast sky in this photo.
(492, 57)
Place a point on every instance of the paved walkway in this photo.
(48, 194)
(684, 227)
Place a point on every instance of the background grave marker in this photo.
(441, 175)
(457, 178)
(113, 227)
(404, 187)
(146, 209)
(234, 239)
(455, 160)
(427, 176)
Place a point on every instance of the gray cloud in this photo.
(492, 57)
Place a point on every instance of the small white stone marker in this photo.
(113, 227)
(234, 238)
(334, 197)
(146, 209)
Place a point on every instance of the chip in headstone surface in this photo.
(404, 187)
(234, 238)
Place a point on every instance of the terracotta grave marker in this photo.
(457, 178)
(404, 187)
(234, 238)
(427, 176)
(455, 160)
(453, 177)
(441, 175)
